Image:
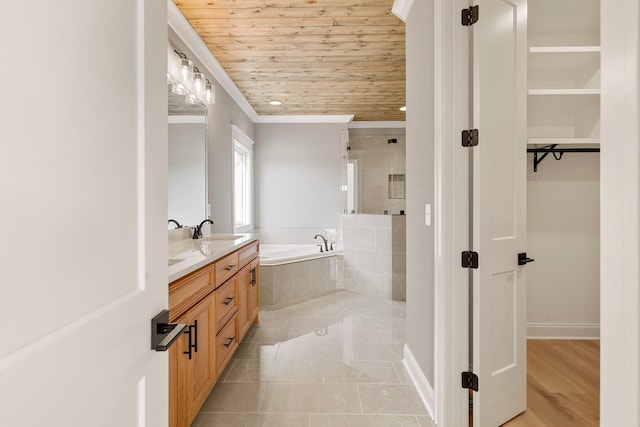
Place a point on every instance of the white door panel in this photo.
(83, 218)
(499, 356)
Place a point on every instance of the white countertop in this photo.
(186, 256)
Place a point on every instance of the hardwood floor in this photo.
(563, 384)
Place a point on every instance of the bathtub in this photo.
(272, 255)
(290, 274)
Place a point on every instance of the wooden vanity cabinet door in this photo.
(254, 292)
(191, 380)
(177, 394)
(244, 289)
(201, 372)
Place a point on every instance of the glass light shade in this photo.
(198, 81)
(178, 89)
(186, 70)
(275, 102)
(190, 99)
(210, 94)
(403, 108)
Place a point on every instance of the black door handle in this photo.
(522, 259)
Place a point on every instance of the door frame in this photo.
(620, 217)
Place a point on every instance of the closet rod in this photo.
(551, 149)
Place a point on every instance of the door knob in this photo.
(522, 259)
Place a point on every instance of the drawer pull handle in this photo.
(253, 276)
(228, 344)
(193, 336)
(228, 300)
(230, 267)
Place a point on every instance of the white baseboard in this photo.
(563, 331)
(425, 390)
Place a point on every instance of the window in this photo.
(242, 180)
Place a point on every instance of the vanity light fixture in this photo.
(403, 108)
(275, 102)
(186, 67)
(209, 93)
(198, 80)
(193, 79)
(178, 89)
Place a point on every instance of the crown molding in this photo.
(402, 8)
(377, 125)
(185, 31)
(305, 119)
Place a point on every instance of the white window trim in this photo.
(237, 135)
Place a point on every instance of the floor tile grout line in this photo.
(359, 398)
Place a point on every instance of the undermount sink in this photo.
(174, 261)
(223, 237)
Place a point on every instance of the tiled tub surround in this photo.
(375, 255)
(296, 236)
(334, 361)
(290, 274)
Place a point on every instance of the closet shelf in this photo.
(564, 91)
(563, 141)
(564, 49)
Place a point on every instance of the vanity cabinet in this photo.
(214, 302)
(248, 291)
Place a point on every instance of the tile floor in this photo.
(331, 362)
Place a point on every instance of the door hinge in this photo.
(470, 259)
(470, 15)
(470, 381)
(470, 138)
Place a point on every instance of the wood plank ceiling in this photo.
(318, 57)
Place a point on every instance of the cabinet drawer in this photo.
(226, 343)
(226, 302)
(185, 292)
(226, 267)
(248, 253)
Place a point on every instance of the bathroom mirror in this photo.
(187, 156)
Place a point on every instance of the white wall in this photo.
(563, 233)
(420, 186)
(297, 175)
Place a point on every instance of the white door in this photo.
(83, 164)
(499, 197)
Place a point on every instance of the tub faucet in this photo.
(175, 222)
(197, 232)
(326, 244)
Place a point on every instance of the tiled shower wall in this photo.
(377, 159)
(375, 255)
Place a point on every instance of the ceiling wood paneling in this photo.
(316, 56)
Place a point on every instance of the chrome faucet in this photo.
(175, 222)
(197, 231)
(326, 244)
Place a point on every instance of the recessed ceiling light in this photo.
(403, 108)
(275, 102)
